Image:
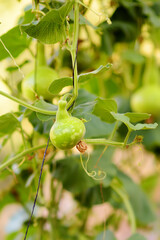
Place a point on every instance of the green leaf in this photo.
(39, 126)
(46, 106)
(51, 28)
(92, 196)
(95, 128)
(15, 42)
(84, 110)
(58, 84)
(28, 17)
(77, 180)
(103, 109)
(8, 124)
(137, 117)
(108, 236)
(149, 183)
(137, 236)
(140, 203)
(92, 75)
(126, 120)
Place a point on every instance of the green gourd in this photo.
(44, 77)
(147, 100)
(67, 131)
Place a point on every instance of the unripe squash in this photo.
(45, 76)
(147, 100)
(67, 131)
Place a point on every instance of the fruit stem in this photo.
(41, 59)
(62, 111)
(29, 106)
(74, 54)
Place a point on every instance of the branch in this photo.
(29, 106)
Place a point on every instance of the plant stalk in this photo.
(20, 156)
(74, 54)
(126, 138)
(29, 106)
(103, 141)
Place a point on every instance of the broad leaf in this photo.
(108, 236)
(58, 84)
(126, 120)
(39, 126)
(70, 172)
(14, 41)
(137, 236)
(8, 124)
(84, 110)
(92, 196)
(47, 106)
(28, 17)
(103, 109)
(96, 128)
(51, 28)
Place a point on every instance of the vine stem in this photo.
(74, 54)
(126, 138)
(20, 155)
(128, 206)
(29, 106)
(103, 141)
(100, 141)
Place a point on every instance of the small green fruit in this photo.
(147, 100)
(45, 76)
(67, 131)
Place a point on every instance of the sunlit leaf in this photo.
(14, 41)
(51, 28)
(58, 84)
